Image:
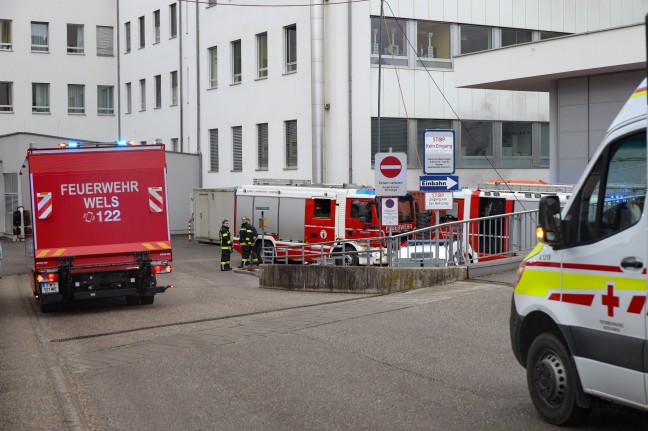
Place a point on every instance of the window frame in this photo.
(156, 26)
(76, 110)
(6, 44)
(41, 109)
(127, 36)
(262, 147)
(79, 48)
(40, 48)
(158, 91)
(8, 108)
(142, 31)
(262, 55)
(291, 161)
(237, 62)
(214, 162)
(290, 49)
(213, 67)
(142, 94)
(105, 41)
(109, 108)
(129, 98)
(173, 20)
(237, 149)
(174, 87)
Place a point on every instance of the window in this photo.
(290, 33)
(76, 99)
(142, 32)
(393, 134)
(105, 100)
(213, 67)
(322, 208)
(477, 141)
(173, 18)
(213, 150)
(475, 38)
(127, 30)
(39, 37)
(75, 39)
(104, 41)
(142, 94)
(517, 144)
(237, 149)
(514, 36)
(433, 44)
(211, 3)
(613, 194)
(551, 34)
(5, 34)
(6, 96)
(175, 144)
(40, 98)
(262, 146)
(156, 26)
(544, 144)
(174, 88)
(390, 42)
(262, 55)
(129, 98)
(158, 91)
(236, 62)
(291, 144)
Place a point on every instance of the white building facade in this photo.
(283, 89)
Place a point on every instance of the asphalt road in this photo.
(218, 352)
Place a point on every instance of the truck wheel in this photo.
(553, 381)
(147, 300)
(349, 258)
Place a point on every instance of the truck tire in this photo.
(349, 258)
(553, 381)
(147, 300)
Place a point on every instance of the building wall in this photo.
(58, 68)
(586, 106)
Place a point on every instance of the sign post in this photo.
(262, 223)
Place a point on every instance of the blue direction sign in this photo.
(438, 183)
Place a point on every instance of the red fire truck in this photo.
(95, 221)
(304, 222)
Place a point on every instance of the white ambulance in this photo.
(579, 314)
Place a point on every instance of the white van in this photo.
(579, 314)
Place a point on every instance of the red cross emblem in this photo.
(609, 300)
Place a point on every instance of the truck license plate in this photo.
(49, 287)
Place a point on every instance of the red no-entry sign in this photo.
(391, 174)
(391, 167)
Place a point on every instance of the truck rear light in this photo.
(161, 269)
(40, 278)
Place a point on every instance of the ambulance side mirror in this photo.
(549, 221)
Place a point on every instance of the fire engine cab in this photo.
(579, 316)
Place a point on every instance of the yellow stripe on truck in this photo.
(573, 281)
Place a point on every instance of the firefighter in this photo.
(226, 246)
(247, 238)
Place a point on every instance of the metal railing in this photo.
(455, 243)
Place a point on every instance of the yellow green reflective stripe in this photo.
(537, 283)
(573, 281)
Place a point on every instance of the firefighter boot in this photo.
(227, 267)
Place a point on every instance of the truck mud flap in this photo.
(105, 293)
(153, 290)
(51, 298)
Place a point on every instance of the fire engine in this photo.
(578, 312)
(304, 222)
(95, 221)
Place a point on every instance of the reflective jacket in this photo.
(225, 238)
(248, 234)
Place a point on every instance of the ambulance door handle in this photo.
(631, 262)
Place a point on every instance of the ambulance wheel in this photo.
(553, 381)
(349, 258)
(147, 300)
